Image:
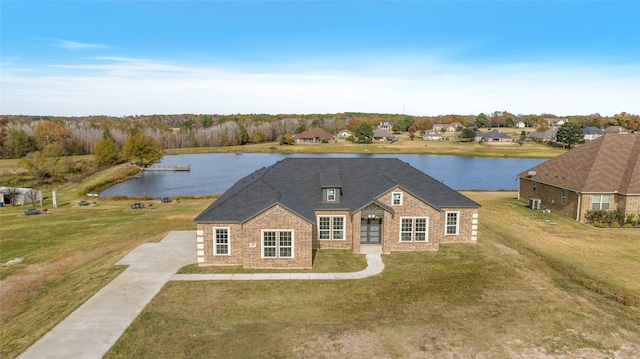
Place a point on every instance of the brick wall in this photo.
(278, 218)
(551, 197)
(335, 244)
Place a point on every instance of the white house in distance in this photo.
(19, 196)
(591, 133)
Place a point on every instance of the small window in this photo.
(331, 195)
(535, 184)
(453, 223)
(277, 244)
(564, 197)
(221, 242)
(601, 201)
(396, 198)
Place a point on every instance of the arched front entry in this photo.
(371, 224)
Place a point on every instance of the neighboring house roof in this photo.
(296, 183)
(614, 129)
(495, 134)
(313, 134)
(380, 133)
(545, 135)
(609, 164)
(592, 131)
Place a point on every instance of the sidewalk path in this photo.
(96, 325)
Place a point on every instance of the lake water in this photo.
(215, 173)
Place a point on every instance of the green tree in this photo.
(44, 164)
(482, 121)
(106, 152)
(17, 144)
(468, 134)
(141, 149)
(570, 133)
(363, 132)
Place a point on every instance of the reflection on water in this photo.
(215, 173)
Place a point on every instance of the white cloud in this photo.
(74, 45)
(127, 86)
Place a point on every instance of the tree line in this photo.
(22, 136)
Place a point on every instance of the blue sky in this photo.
(123, 58)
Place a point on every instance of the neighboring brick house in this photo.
(313, 135)
(601, 174)
(277, 216)
(494, 136)
(382, 135)
(386, 126)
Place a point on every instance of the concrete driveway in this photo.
(97, 324)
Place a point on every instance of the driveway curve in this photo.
(91, 330)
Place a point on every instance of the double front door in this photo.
(370, 230)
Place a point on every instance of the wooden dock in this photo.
(169, 168)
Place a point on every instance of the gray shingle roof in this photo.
(296, 183)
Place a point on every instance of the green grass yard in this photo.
(509, 295)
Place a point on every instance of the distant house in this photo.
(544, 136)
(521, 124)
(382, 135)
(278, 216)
(614, 129)
(556, 122)
(591, 133)
(432, 135)
(451, 127)
(344, 134)
(386, 126)
(603, 174)
(313, 135)
(19, 196)
(494, 136)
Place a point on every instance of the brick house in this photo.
(314, 135)
(601, 174)
(277, 216)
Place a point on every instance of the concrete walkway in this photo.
(91, 330)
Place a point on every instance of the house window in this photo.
(331, 195)
(601, 201)
(396, 198)
(331, 227)
(414, 229)
(221, 242)
(277, 244)
(564, 197)
(535, 184)
(453, 222)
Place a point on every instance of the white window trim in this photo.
(446, 215)
(215, 245)
(333, 197)
(401, 198)
(601, 202)
(331, 217)
(413, 230)
(277, 243)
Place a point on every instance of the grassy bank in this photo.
(404, 146)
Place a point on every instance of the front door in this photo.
(370, 230)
